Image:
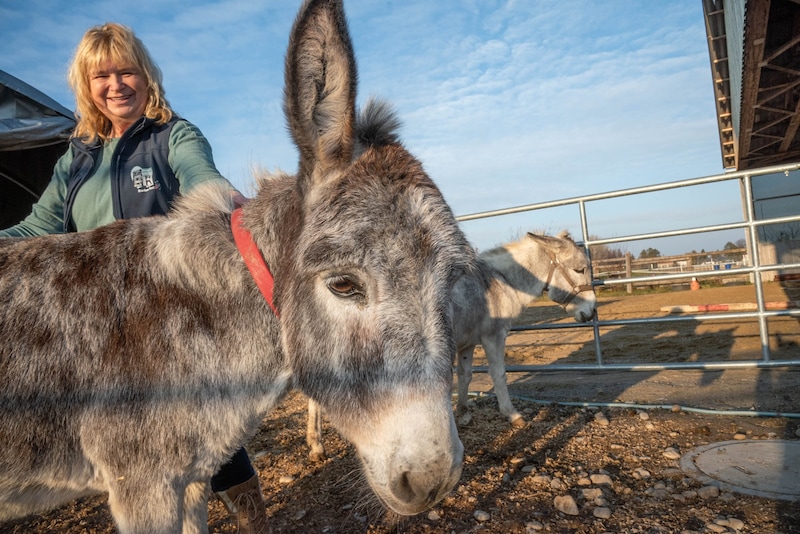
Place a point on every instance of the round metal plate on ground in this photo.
(765, 468)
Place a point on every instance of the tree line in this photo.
(605, 252)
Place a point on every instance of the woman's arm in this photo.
(192, 161)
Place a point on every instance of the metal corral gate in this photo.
(750, 226)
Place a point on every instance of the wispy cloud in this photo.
(505, 102)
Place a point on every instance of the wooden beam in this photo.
(754, 39)
(718, 54)
(780, 50)
(791, 130)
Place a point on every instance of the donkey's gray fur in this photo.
(486, 303)
(137, 357)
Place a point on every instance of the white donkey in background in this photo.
(486, 303)
(510, 277)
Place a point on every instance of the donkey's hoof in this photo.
(317, 458)
(517, 421)
(465, 419)
(317, 455)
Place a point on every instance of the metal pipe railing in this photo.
(750, 224)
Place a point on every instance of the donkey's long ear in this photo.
(320, 90)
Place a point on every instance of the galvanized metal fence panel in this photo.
(749, 223)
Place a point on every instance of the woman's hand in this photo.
(238, 198)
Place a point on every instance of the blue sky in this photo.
(506, 103)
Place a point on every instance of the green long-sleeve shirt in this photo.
(189, 157)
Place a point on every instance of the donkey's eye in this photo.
(580, 271)
(344, 286)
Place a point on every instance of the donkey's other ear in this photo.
(320, 91)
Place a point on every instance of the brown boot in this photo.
(246, 506)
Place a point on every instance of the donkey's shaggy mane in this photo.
(377, 124)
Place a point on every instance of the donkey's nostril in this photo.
(418, 489)
(403, 487)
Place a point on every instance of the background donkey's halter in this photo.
(576, 288)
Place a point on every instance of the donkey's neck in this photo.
(274, 218)
(522, 268)
(200, 260)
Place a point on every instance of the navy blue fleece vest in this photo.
(142, 182)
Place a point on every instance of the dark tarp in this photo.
(34, 133)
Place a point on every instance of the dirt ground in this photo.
(570, 468)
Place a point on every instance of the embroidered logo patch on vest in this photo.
(144, 180)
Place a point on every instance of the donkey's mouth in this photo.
(411, 462)
(414, 492)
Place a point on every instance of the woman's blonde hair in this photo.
(118, 44)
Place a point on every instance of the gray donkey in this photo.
(136, 358)
(486, 302)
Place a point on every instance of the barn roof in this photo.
(754, 48)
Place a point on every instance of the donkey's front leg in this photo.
(314, 432)
(195, 508)
(149, 505)
(495, 348)
(464, 373)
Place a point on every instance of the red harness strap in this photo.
(252, 258)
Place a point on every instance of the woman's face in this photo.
(120, 93)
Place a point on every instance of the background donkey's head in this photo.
(569, 277)
(370, 252)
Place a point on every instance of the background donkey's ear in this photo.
(320, 90)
